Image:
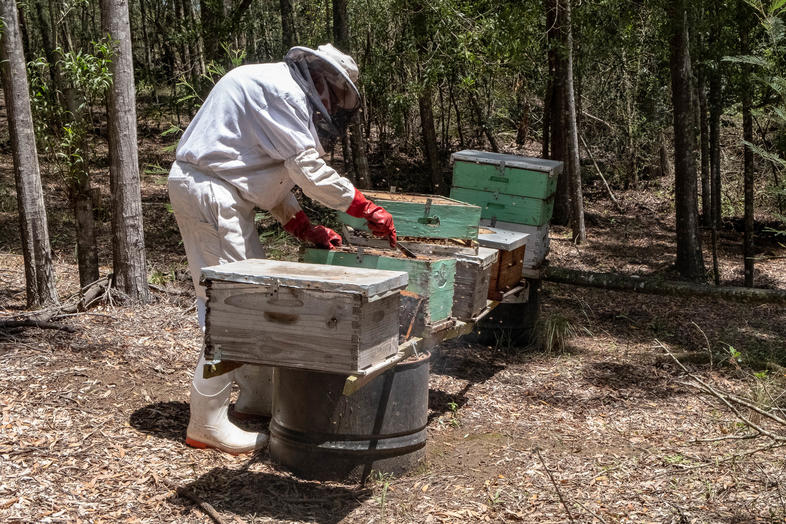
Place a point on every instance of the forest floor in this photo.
(92, 423)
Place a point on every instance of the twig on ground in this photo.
(729, 399)
(204, 506)
(10, 324)
(168, 291)
(556, 487)
(707, 340)
(585, 508)
(85, 313)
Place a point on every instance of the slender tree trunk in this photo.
(715, 170)
(748, 169)
(49, 49)
(128, 241)
(548, 98)
(462, 142)
(36, 251)
(573, 164)
(82, 202)
(706, 199)
(690, 263)
(212, 17)
(559, 138)
(357, 146)
(483, 123)
(145, 39)
(288, 36)
(419, 27)
(425, 104)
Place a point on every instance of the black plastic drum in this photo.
(319, 433)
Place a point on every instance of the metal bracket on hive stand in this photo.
(405, 350)
(215, 366)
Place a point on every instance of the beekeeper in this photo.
(256, 136)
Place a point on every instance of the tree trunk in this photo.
(211, 17)
(288, 37)
(82, 202)
(690, 262)
(573, 164)
(425, 104)
(128, 241)
(748, 166)
(36, 251)
(145, 40)
(359, 156)
(357, 145)
(653, 286)
(715, 170)
(552, 61)
(558, 123)
(706, 199)
(418, 17)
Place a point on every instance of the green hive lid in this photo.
(521, 162)
(368, 282)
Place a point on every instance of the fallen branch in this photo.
(730, 400)
(556, 487)
(11, 324)
(170, 292)
(204, 506)
(617, 282)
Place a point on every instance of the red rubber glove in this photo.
(320, 236)
(379, 221)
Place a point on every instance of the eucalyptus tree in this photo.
(128, 239)
(690, 262)
(39, 273)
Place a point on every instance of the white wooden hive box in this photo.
(310, 316)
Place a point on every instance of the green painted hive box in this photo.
(424, 216)
(507, 187)
(428, 298)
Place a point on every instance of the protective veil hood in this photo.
(339, 72)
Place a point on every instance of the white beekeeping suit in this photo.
(255, 138)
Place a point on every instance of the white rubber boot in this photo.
(256, 391)
(209, 426)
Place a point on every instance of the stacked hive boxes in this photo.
(514, 193)
(428, 298)
(438, 230)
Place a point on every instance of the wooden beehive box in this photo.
(333, 319)
(428, 298)
(537, 240)
(506, 273)
(510, 188)
(473, 276)
(424, 216)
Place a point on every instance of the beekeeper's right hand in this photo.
(380, 222)
(321, 182)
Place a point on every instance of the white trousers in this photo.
(215, 221)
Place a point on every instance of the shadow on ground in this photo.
(250, 494)
(163, 420)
